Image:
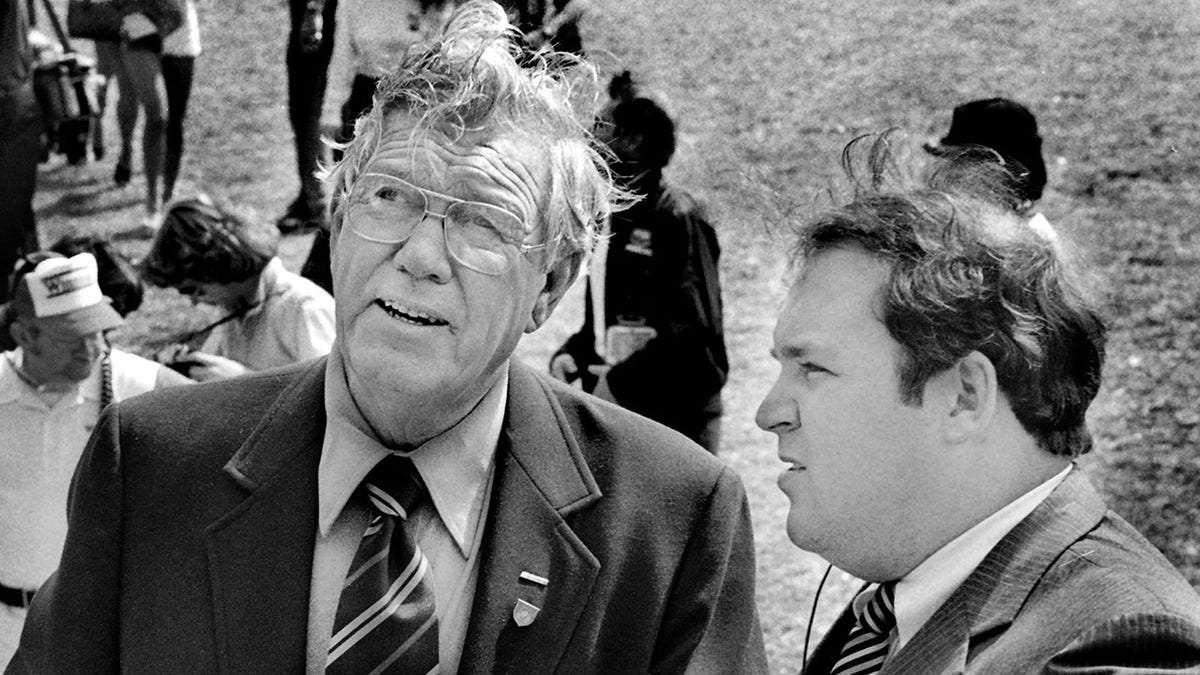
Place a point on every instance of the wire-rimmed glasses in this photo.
(386, 209)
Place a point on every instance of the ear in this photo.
(972, 395)
(22, 333)
(558, 280)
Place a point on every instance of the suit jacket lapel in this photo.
(541, 477)
(993, 594)
(260, 553)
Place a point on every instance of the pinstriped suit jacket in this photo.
(1072, 589)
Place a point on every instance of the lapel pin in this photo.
(524, 613)
(534, 579)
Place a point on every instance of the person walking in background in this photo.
(179, 51)
(20, 139)
(652, 338)
(261, 524)
(310, 46)
(53, 386)
(273, 317)
(937, 358)
(137, 51)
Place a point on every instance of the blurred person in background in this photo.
(419, 501)
(180, 50)
(652, 338)
(937, 358)
(20, 139)
(53, 386)
(1007, 131)
(372, 38)
(273, 317)
(309, 48)
(135, 54)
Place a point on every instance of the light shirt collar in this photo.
(268, 283)
(454, 465)
(922, 591)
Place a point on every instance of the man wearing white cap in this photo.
(52, 388)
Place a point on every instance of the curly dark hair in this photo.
(967, 274)
(200, 242)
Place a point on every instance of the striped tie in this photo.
(867, 645)
(385, 620)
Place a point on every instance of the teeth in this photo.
(412, 315)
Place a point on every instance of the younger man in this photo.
(937, 357)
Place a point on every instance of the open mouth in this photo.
(410, 315)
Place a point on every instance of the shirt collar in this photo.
(268, 283)
(923, 590)
(454, 465)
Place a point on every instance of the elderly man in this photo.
(417, 502)
(937, 357)
(52, 388)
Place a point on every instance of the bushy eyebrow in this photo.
(795, 351)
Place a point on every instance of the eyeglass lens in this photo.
(387, 209)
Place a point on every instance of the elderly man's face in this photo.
(54, 356)
(420, 332)
(862, 466)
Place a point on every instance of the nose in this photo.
(425, 254)
(777, 413)
(89, 346)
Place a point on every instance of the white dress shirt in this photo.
(457, 468)
(923, 590)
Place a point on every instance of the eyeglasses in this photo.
(386, 209)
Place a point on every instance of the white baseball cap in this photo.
(64, 294)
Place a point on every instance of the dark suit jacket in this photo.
(1072, 589)
(193, 517)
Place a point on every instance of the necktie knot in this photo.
(866, 646)
(878, 613)
(394, 487)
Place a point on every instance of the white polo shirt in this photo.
(40, 444)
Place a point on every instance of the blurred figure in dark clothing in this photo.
(652, 339)
(310, 45)
(1011, 131)
(20, 139)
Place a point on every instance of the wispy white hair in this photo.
(475, 83)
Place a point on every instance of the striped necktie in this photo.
(385, 620)
(866, 646)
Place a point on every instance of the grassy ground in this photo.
(766, 94)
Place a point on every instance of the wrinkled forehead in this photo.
(507, 168)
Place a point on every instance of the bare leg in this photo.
(143, 68)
